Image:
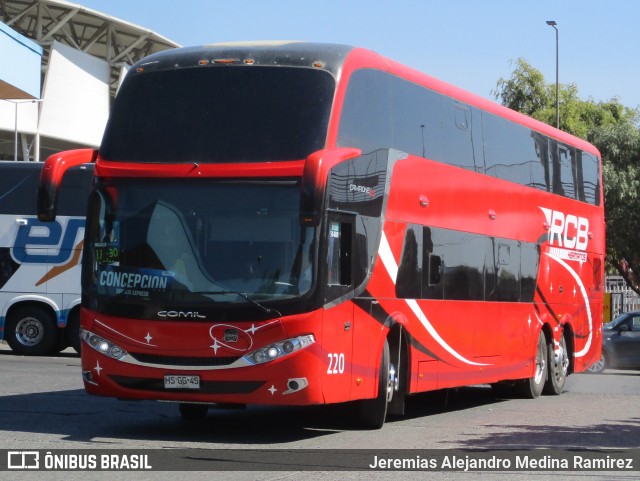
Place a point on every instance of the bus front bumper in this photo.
(291, 380)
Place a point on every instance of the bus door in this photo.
(337, 326)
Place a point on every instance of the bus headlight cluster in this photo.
(279, 349)
(100, 344)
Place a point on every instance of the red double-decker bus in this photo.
(300, 224)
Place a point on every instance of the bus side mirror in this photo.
(51, 178)
(314, 180)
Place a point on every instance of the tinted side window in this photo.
(417, 119)
(590, 176)
(529, 259)
(453, 265)
(382, 111)
(463, 256)
(461, 133)
(431, 125)
(74, 191)
(365, 118)
(18, 188)
(359, 185)
(409, 281)
(503, 270)
(513, 152)
(433, 267)
(564, 169)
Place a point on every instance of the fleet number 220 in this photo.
(336, 363)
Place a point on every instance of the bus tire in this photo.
(72, 331)
(558, 368)
(371, 413)
(31, 331)
(193, 412)
(532, 388)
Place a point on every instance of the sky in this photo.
(469, 43)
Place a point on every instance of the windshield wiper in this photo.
(245, 297)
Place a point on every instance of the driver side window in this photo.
(339, 263)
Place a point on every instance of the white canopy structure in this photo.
(85, 55)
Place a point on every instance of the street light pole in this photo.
(15, 132)
(15, 127)
(15, 123)
(553, 24)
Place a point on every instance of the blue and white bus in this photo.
(40, 262)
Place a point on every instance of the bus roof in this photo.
(332, 57)
(327, 56)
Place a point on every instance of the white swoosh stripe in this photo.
(583, 292)
(392, 268)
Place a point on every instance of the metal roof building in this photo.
(60, 66)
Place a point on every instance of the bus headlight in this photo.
(279, 349)
(102, 345)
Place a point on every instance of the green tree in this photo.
(620, 147)
(613, 129)
(525, 90)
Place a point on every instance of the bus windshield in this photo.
(170, 241)
(219, 115)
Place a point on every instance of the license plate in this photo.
(175, 381)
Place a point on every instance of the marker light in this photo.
(226, 60)
(102, 345)
(279, 349)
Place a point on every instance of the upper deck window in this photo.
(219, 114)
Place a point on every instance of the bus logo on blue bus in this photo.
(36, 242)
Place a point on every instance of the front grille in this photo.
(183, 360)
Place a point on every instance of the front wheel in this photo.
(371, 413)
(31, 331)
(558, 361)
(532, 388)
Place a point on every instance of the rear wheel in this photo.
(558, 361)
(371, 413)
(31, 331)
(532, 388)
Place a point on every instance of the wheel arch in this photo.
(42, 302)
(548, 333)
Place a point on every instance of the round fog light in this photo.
(260, 357)
(293, 385)
(115, 352)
